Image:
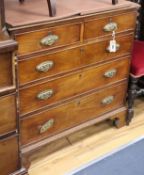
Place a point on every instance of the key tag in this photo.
(112, 46)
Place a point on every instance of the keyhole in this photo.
(78, 102)
(80, 76)
(82, 50)
(110, 20)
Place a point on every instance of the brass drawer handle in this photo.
(108, 100)
(110, 27)
(111, 73)
(117, 48)
(44, 95)
(46, 126)
(45, 66)
(49, 40)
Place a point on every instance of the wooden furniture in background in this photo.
(2, 15)
(67, 77)
(137, 72)
(52, 6)
(9, 137)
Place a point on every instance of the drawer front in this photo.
(66, 116)
(6, 79)
(7, 114)
(35, 97)
(101, 27)
(48, 38)
(8, 156)
(53, 64)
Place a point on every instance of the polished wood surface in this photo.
(84, 91)
(72, 85)
(51, 6)
(9, 144)
(86, 145)
(71, 59)
(73, 113)
(124, 21)
(2, 15)
(6, 77)
(8, 155)
(30, 42)
(8, 114)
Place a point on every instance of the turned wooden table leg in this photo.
(21, 1)
(114, 2)
(2, 14)
(52, 7)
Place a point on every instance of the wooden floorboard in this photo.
(79, 148)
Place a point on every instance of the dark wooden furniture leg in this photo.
(114, 2)
(2, 14)
(51, 6)
(132, 94)
(21, 1)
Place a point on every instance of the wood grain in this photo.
(89, 144)
(8, 155)
(95, 28)
(7, 114)
(6, 78)
(72, 59)
(72, 85)
(72, 114)
(30, 42)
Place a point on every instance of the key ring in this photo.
(113, 35)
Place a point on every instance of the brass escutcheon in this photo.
(111, 73)
(46, 126)
(110, 27)
(108, 100)
(44, 95)
(49, 40)
(45, 66)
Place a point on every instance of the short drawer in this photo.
(95, 27)
(66, 116)
(7, 114)
(48, 65)
(6, 75)
(50, 92)
(48, 38)
(8, 155)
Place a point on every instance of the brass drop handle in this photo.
(49, 40)
(108, 100)
(46, 126)
(111, 26)
(44, 66)
(44, 95)
(117, 48)
(111, 73)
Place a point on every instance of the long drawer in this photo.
(48, 38)
(39, 67)
(62, 117)
(7, 114)
(8, 155)
(50, 92)
(95, 27)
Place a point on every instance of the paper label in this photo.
(112, 46)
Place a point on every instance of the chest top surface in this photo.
(34, 12)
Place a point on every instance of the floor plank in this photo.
(86, 145)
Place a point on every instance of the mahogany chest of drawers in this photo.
(66, 78)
